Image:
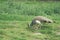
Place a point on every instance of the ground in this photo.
(15, 15)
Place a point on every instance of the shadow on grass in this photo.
(44, 29)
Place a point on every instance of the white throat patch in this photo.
(38, 22)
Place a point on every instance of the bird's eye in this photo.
(49, 22)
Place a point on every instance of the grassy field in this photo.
(14, 16)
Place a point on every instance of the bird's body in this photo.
(38, 20)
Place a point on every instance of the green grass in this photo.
(17, 30)
(15, 15)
